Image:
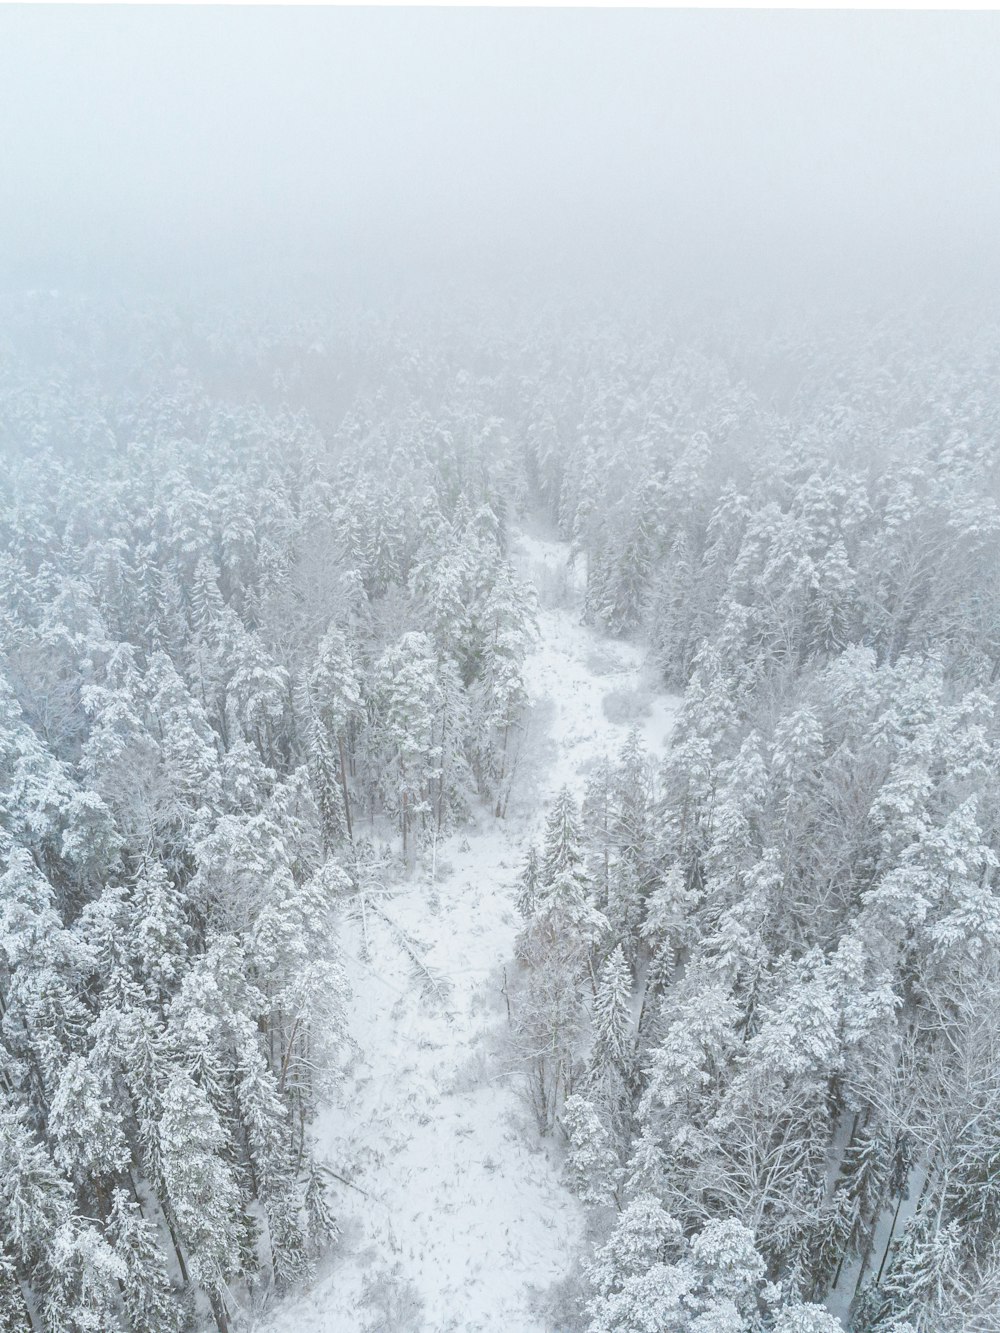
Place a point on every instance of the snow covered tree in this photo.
(407, 697)
(202, 1192)
(148, 1297)
(269, 1143)
(528, 882)
(84, 1294)
(14, 1314)
(592, 1157)
(35, 1199)
(613, 1016)
(562, 848)
(335, 705)
(320, 1225)
(650, 1277)
(505, 626)
(86, 1125)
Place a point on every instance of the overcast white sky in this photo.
(741, 138)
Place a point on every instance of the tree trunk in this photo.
(888, 1244)
(168, 1217)
(343, 788)
(218, 1310)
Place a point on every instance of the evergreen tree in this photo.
(86, 1126)
(148, 1299)
(592, 1160)
(335, 703)
(14, 1315)
(528, 883)
(612, 1015)
(321, 1225)
(203, 1195)
(562, 852)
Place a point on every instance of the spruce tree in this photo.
(203, 1194)
(528, 882)
(148, 1298)
(562, 847)
(613, 1015)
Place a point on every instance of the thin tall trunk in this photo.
(171, 1221)
(850, 1144)
(343, 788)
(218, 1311)
(888, 1243)
(503, 770)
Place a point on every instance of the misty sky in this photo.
(186, 136)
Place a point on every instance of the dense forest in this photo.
(262, 648)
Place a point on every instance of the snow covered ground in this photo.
(456, 1215)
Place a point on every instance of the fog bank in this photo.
(183, 144)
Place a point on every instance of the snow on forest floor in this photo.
(457, 1216)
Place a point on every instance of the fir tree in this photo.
(563, 844)
(203, 1195)
(612, 1015)
(528, 882)
(148, 1298)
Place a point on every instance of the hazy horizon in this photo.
(163, 145)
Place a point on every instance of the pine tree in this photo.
(592, 1160)
(202, 1192)
(645, 1243)
(623, 597)
(442, 581)
(802, 1318)
(613, 1015)
(506, 624)
(625, 905)
(646, 1169)
(269, 1147)
(528, 883)
(320, 1226)
(563, 843)
(14, 1317)
(85, 1291)
(257, 692)
(149, 1301)
(408, 697)
(207, 603)
(35, 1199)
(452, 787)
(86, 1125)
(160, 934)
(335, 703)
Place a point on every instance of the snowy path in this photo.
(463, 1214)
